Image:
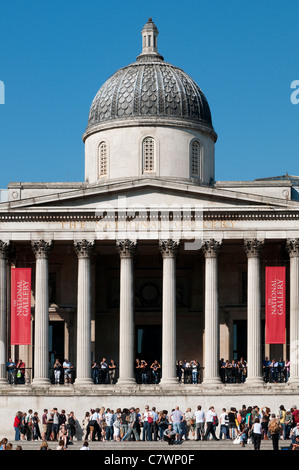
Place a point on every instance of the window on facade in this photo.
(195, 159)
(148, 155)
(103, 159)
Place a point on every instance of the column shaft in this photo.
(41, 338)
(126, 250)
(254, 346)
(211, 368)
(169, 250)
(3, 311)
(293, 248)
(84, 250)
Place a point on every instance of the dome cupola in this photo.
(148, 99)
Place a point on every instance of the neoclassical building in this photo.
(149, 257)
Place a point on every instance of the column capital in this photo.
(84, 248)
(253, 247)
(169, 248)
(4, 249)
(211, 248)
(126, 248)
(41, 248)
(292, 245)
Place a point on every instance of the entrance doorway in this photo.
(240, 339)
(148, 343)
(56, 341)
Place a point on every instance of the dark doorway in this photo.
(148, 344)
(56, 341)
(239, 339)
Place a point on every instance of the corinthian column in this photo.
(41, 249)
(254, 347)
(126, 250)
(4, 246)
(293, 249)
(211, 249)
(84, 249)
(169, 250)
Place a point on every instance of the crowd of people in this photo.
(242, 426)
(150, 372)
(235, 371)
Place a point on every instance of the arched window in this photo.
(148, 155)
(103, 159)
(195, 159)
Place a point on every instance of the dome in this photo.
(150, 90)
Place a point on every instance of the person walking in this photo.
(211, 414)
(133, 426)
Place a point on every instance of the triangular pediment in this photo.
(147, 192)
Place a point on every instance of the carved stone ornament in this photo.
(293, 246)
(4, 249)
(211, 248)
(169, 248)
(253, 247)
(126, 248)
(84, 248)
(41, 248)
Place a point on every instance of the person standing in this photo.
(36, 430)
(154, 425)
(103, 371)
(256, 434)
(57, 371)
(199, 423)
(274, 430)
(112, 371)
(17, 425)
(109, 419)
(223, 421)
(147, 420)
(176, 417)
(55, 426)
(11, 370)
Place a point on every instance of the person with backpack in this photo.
(274, 429)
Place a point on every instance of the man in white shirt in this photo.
(199, 423)
(210, 420)
(95, 423)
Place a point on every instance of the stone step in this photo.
(154, 446)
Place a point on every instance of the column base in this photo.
(124, 382)
(254, 381)
(169, 381)
(212, 382)
(293, 381)
(41, 382)
(84, 382)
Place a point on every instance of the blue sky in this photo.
(56, 54)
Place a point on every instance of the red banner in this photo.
(275, 305)
(21, 306)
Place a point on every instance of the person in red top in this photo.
(17, 425)
(295, 414)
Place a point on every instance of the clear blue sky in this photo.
(56, 54)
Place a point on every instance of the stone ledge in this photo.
(147, 390)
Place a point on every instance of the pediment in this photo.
(146, 193)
